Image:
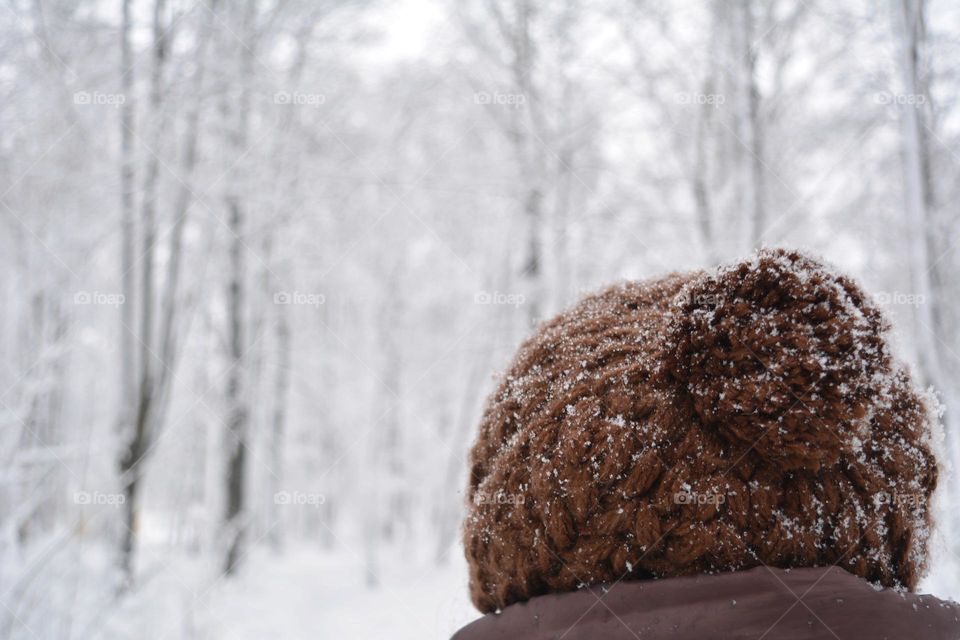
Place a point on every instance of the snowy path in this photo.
(308, 594)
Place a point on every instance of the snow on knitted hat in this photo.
(698, 423)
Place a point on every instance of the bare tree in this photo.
(512, 31)
(929, 283)
(752, 122)
(127, 330)
(237, 440)
(157, 330)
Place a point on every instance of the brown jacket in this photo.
(772, 604)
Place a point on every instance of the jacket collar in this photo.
(774, 604)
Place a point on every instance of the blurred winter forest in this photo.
(261, 259)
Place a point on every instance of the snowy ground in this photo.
(314, 595)
(303, 593)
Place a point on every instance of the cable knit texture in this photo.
(697, 423)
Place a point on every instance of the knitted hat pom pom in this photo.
(780, 356)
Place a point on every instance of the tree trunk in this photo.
(282, 332)
(754, 127)
(127, 355)
(238, 414)
(919, 203)
(700, 182)
(167, 331)
(281, 387)
(126, 220)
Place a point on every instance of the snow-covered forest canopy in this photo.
(261, 259)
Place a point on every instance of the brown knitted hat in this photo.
(697, 423)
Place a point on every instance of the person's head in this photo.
(698, 423)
